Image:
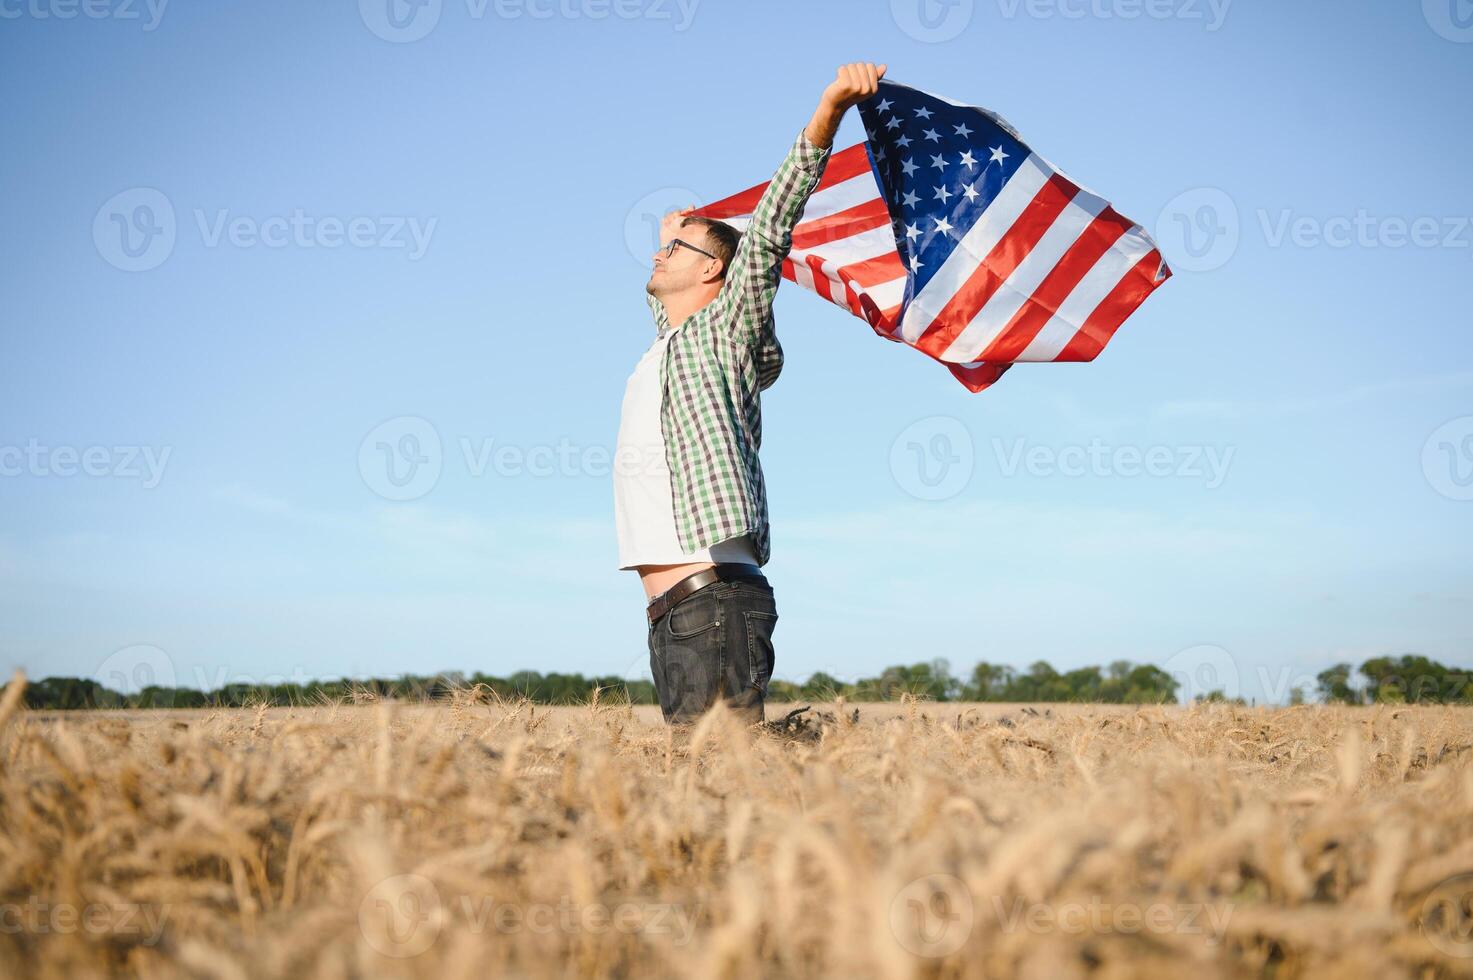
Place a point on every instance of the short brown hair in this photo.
(722, 236)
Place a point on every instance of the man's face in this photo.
(684, 268)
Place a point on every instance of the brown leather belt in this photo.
(727, 571)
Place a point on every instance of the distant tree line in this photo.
(1408, 679)
(1119, 683)
(554, 688)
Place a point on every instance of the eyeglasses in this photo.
(670, 249)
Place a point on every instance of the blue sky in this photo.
(446, 238)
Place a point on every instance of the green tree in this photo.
(1334, 685)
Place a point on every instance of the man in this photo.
(689, 498)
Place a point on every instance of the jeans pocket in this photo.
(695, 614)
(760, 653)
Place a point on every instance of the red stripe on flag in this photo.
(872, 272)
(736, 206)
(846, 164)
(841, 167)
(851, 299)
(1123, 300)
(842, 224)
(821, 282)
(993, 270)
(1103, 232)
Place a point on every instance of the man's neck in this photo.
(680, 308)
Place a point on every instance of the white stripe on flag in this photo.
(1133, 246)
(840, 197)
(1020, 286)
(856, 248)
(975, 246)
(887, 294)
(802, 275)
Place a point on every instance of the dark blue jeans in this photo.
(716, 644)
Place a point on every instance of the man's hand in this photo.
(852, 84)
(670, 225)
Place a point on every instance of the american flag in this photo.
(946, 232)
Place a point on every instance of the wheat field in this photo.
(480, 838)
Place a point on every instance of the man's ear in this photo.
(713, 270)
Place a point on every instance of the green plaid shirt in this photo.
(717, 364)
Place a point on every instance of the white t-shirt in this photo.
(644, 508)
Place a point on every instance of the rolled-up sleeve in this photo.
(756, 268)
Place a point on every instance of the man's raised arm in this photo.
(853, 85)
(756, 268)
